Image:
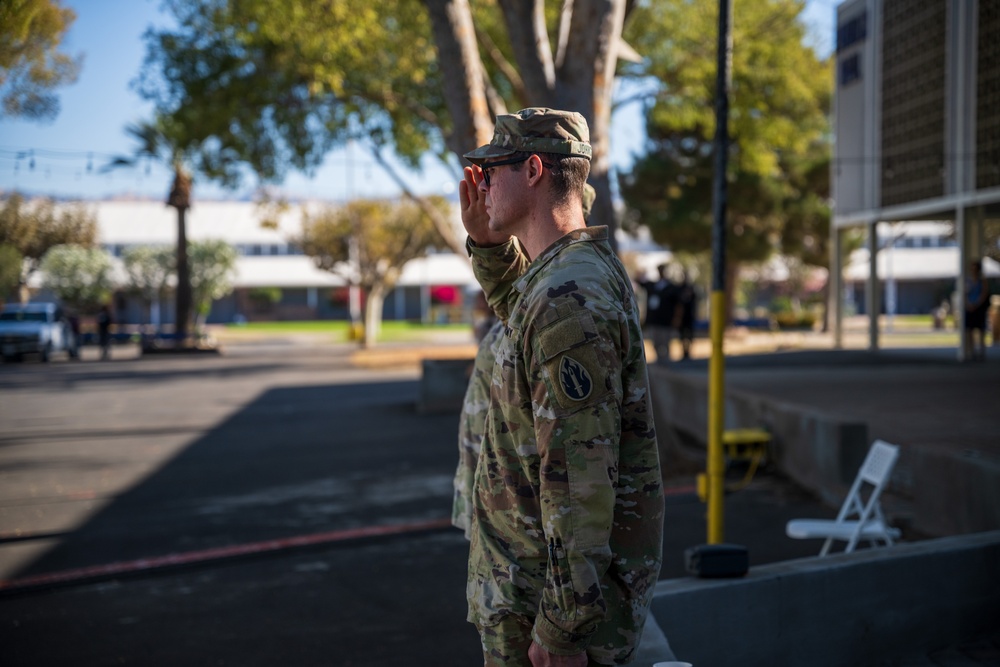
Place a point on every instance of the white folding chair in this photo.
(859, 519)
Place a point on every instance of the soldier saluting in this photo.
(567, 500)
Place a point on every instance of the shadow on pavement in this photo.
(296, 461)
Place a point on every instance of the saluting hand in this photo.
(474, 216)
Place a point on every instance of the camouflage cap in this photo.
(536, 130)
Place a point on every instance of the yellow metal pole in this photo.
(717, 316)
(716, 461)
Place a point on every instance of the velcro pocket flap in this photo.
(565, 334)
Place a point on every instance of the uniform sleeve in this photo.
(472, 427)
(576, 399)
(496, 269)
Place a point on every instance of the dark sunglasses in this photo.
(486, 167)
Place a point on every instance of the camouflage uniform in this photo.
(568, 498)
(473, 423)
(475, 406)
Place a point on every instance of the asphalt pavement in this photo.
(271, 505)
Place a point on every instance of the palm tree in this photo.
(157, 141)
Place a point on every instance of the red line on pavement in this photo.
(218, 553)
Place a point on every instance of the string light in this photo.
(35, 156)
(90, 168)
(39, 155)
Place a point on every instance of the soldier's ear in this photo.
(534, 169)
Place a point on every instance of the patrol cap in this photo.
(536, 130)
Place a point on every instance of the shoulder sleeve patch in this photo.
(575, 380)
(571, 364)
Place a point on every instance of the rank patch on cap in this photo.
(575, 379)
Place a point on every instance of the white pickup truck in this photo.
(35, 328)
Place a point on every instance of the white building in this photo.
(916, 264)
(269, 258)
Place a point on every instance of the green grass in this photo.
(401, 331)
(394, 330)
(310, 326)
(911, 321)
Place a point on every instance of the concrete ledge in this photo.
(953, 492)
(934, 490)
(819, 450)
(443, 383)
(847, 609)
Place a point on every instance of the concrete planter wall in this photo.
(936, 491)
(860, 608)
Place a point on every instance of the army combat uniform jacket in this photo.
(568, 504)
(475, 406)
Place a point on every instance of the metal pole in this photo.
(958, 299)
(836, 297)
(873, 295)
(717, 314)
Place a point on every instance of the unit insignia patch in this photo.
(575, 379)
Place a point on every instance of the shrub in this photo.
(795, 320)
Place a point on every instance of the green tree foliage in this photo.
(10, 270)
(265, 296)
(33, 227)
(31, 66)
(80, 277)
(778, 180)
(806, 230)
(280, 82)
(148, 270)
(213, 269)
(376, 238)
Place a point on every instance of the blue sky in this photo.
(63, 157)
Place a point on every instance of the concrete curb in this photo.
(846, 609)
(821, 450)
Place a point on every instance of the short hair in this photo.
(569, 173)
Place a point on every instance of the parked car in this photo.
(35, 328)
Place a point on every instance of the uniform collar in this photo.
(582, 235)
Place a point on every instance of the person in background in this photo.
(566, 529)
(687, 304)
(104, 322)
(977, 302)
(661, 312)
(472, 422)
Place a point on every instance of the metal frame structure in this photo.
(917, 120)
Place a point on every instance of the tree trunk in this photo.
(464, 90)
(529, 38)
(180, 199)
(373, 315)
(582, 82)
(585, 83)
(825, 293)
(183, 280)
